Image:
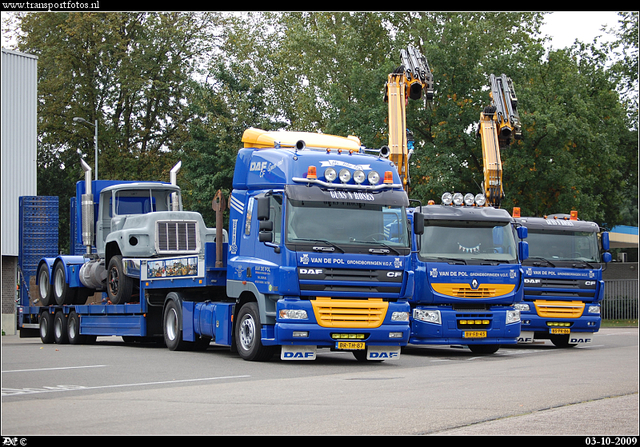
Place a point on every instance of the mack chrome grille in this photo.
(341, 313)
(180, 236)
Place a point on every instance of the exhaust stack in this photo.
(175, 206)
(87, 209)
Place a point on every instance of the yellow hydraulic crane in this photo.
(407, 82)
(499, 125)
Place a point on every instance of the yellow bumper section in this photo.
(340, 313)
(559, 309)
(465, 290)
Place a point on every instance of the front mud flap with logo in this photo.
(298, 352)
(383, 352)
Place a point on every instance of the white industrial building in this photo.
(19, 164)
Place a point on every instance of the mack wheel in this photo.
(46, 327)
(61, 291)
(119, 286)
(484, 349)
(60, 330)
(44, 286)
(247, 332)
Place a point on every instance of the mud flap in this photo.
(383, 352)
(289, 352)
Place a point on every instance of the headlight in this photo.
(400, 316)
(513, 316)
(344, 175)
(293, 314)
(330, 174)
(523, 307)
(430, 316)
(447, 198)
(358, 176)
(594, 309)
(468, 199)
(373, 177)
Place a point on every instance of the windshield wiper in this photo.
(331, 247)
(542, 259)
(453, 260)
(375, 250)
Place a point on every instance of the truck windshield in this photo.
(563, 245)
(470, 242)
(343, 224)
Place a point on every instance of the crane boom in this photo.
(407, 82)
(499, 124)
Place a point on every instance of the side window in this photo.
(275, 214)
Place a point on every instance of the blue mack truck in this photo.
(468, 276)
(317, 255)
(563, 285)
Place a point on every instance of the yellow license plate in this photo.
(475, 334)
(562, 331)
(356, 345)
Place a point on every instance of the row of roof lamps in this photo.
(458, 199)
(330, 174)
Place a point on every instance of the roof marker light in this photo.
(516, 211)
(574, 215)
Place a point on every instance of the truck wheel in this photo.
(561, 341)
(119, 286)
(46, 327)
(73, 329)
(172, 331)
(60, 330)
(247, 333)
(484, 349)
(61, 290)
(44, 286)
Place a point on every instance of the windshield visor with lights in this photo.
(563, 245)
(468, 241)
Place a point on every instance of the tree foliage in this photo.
(185, 86)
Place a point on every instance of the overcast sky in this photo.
(567, 26)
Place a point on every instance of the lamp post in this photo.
(95, 139)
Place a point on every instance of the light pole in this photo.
(95, 138)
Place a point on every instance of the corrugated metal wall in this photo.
(19, 140)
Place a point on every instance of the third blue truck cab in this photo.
(468, 275)
(563, 284)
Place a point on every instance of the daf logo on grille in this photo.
(474, 284)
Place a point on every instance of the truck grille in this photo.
(339, 313)
(177, 236)
(465, 290)
(330, 281)
(559, 309)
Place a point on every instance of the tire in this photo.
(119, 286)
(172, 327)
(247, 332)
(561, 341)
(46, 327)
(61, 291)
(44, 286)
(60, 329)
(73, 329)
(484, 349)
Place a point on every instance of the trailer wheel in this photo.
(172, 330)
(73, 329)
(60, 330)
(61, 290)
(46, 327)
(119, 286)
(44, 286)
(247, 333)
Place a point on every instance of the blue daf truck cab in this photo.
(563, 285)
(468, 276)
(316, 255)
